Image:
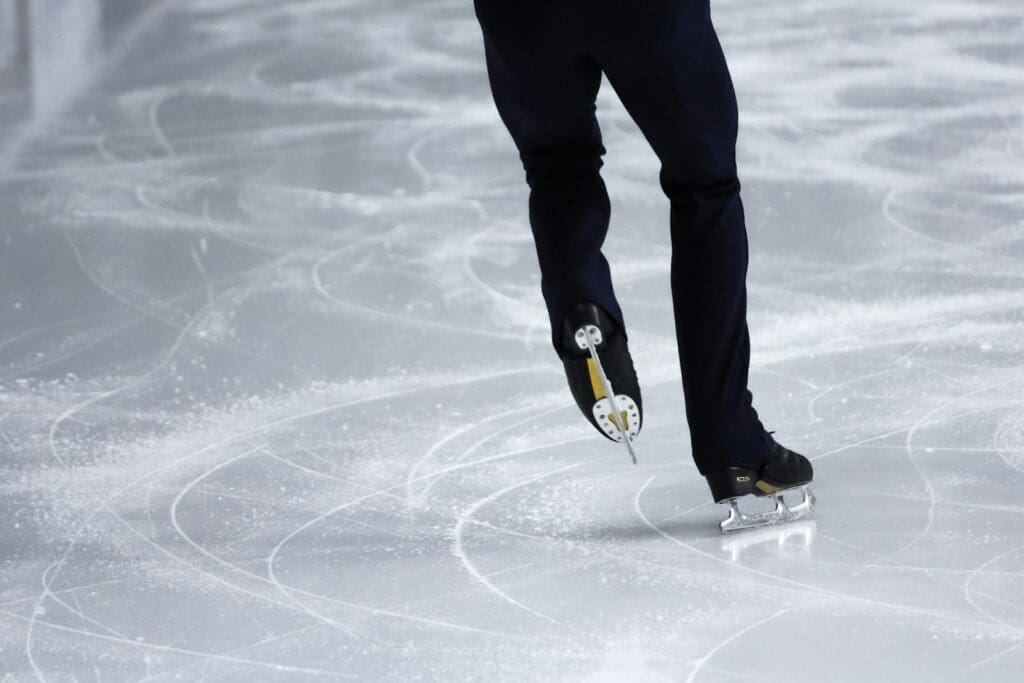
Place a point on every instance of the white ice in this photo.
(277, 400)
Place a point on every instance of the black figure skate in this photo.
(783, 472)
(601, 375)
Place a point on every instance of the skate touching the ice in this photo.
(783, 473)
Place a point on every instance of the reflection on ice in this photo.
(795, 538)
(63, 50)
(50, 52)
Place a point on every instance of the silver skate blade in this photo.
(739, 520)
(590, 337)
(628, 440)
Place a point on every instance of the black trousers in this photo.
(544, 60)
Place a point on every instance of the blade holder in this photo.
(595, 334)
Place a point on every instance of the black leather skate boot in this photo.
(601, 374)
(783, 471)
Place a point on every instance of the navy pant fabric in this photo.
(545, 59)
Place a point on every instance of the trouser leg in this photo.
(545, 89)
(664, 60)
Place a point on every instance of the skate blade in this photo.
(588, 337)
(739, 520)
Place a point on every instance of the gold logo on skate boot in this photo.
(743, 480)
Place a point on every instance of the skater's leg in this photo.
(544, 88)
(665, 62)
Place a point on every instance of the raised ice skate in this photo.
(601, 374)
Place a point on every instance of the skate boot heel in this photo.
(733, 482)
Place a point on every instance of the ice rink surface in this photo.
(277, 400)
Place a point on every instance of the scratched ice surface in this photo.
(278, 401)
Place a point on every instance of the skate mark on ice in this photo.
(1012, 509)
(176, 503)
(169, 648)
(943, 244)
(881, 373)
(38, 610)
(6, 438)
(231, 586)
(48, 592)
(84, 520)
(98, 334)
(517, 312)
(97, 337)
(537, 414)
(451, 436)
(154, 122)
(289, 591)
(479, 331)
(804, 588)
(87, 517)
(467, 517)
(437, 475)
(69, 589)
(151, 312)
(891, 564)
(138, 380)
(413, 159)
(158, 311)
(1008, 440)
(910, 454)
(803, 381)
(270, 639)
(326, 475)
(235, 587)
(833, 387)
(41, 329)
(991, 658)
(699, 664)
(197, 259)
(975, 574)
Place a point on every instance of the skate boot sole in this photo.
(629, 416)
(612, 410)
(601, 376)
